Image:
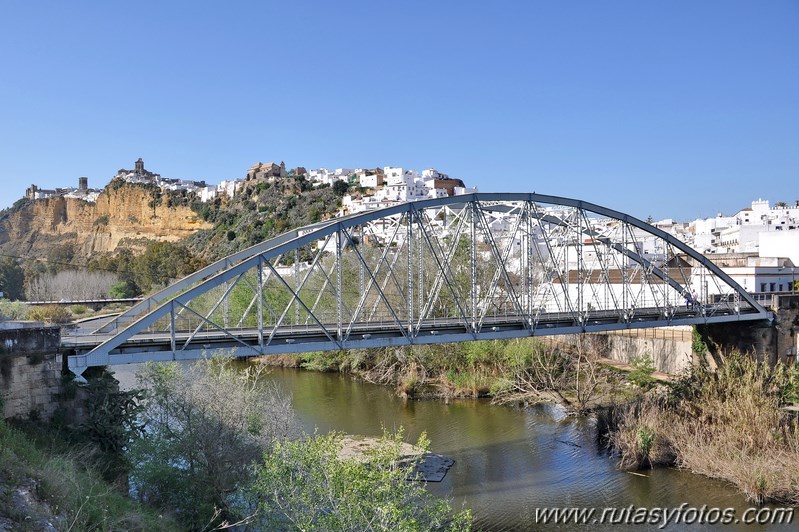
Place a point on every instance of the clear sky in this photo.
(670, 109)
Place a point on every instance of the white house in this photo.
(399, 176)
(370, 180)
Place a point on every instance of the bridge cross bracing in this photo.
(472, 267)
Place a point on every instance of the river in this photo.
(508, 461)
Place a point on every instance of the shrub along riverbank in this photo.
(728, 424)
(507, 371)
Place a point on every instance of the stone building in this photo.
(266, 171)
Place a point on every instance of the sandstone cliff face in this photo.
(125, 216)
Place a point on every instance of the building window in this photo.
(772, 287)
(762, 287)
(780, 287)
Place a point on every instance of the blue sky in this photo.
(669, 109)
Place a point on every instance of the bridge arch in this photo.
(477, 266)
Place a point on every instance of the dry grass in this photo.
(642, 434)
(726, 424)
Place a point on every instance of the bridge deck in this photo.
(249, 341)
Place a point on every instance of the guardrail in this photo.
(85, 301)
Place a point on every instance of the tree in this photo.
(340, 187)
(60, 255)
(12, 279)
(162, 262)
(70, 285)
(122, 290)
(305, 485)
(206, 426)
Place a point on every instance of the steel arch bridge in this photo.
(458, 268)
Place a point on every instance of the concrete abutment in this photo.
(769, 341)
(31, 369)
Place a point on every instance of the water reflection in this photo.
(508, 461)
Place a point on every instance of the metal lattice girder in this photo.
(459, 268)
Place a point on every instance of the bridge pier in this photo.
(772, 342)
(31, 368)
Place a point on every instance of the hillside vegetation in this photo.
(143, 237)
(260, 211)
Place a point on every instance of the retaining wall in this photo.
(30, 370)
(668, 348)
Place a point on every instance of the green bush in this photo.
(306, 485)
(698, 344)
(791, 388)
(71, 494)
(121, 290)
(50, 314)
(641, 375)
(13, 310)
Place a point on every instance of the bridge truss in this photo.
(479, 266)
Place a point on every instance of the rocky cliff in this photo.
(124, 215)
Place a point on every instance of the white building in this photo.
(742, 232)
(757, 275)
(398, 176)
(780, 244)
(228, 187)
(432, 173)
(323, 176)
(370, 180)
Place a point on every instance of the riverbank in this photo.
(44, 488)
(727, 424)
(518, 371)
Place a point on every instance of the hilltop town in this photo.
(758, 246)
(375, 188)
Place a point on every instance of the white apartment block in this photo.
(741, 233)
(758, 246)
(228, 187)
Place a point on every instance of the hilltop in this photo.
(148, 230)
(70, 229)
(261, 209)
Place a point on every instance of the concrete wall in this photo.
(669, 347)
(30, 370)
